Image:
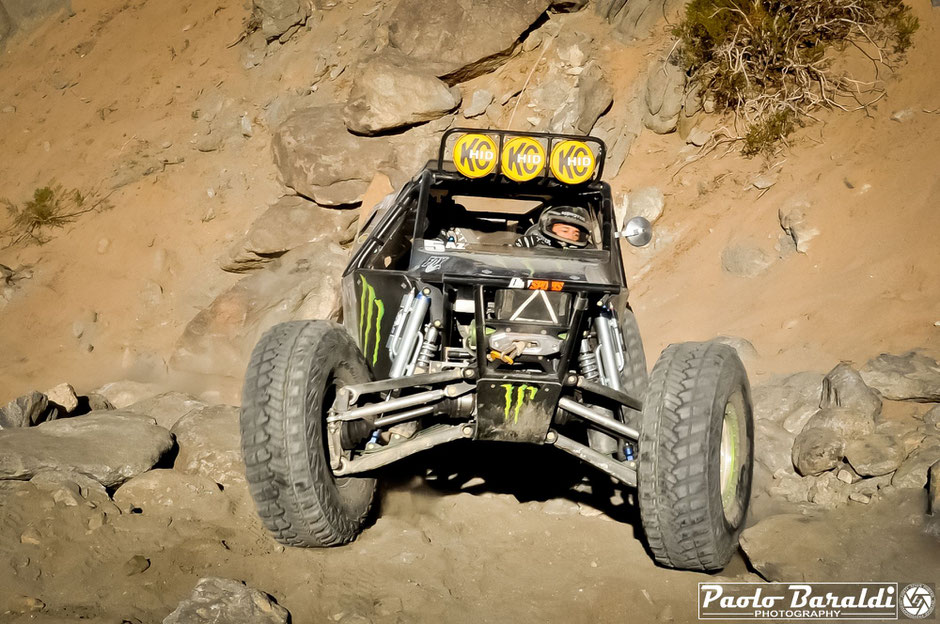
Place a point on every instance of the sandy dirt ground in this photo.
(121, 88)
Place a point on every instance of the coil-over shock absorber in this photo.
(587, 361)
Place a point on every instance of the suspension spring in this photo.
(587, 360)
(428, 349)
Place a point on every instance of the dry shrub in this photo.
(50, 207)
(770, 62)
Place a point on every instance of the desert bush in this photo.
(770, 62)
(50, 207)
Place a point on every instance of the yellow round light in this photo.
(572, 162)
(475, 155)
(523, 158)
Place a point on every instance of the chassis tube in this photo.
(585, 412)
(417, 412)
(622, 471)
(374, 409)
(390, 454)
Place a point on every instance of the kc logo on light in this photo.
(572, 162)
(522, 159)
(475, 155)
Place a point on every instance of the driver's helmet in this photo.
(577, 220)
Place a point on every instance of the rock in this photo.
(858, 497)
(874, 455)
(390, 92)
(902, 115)
(744, 348)
(665, 90)
(110, 447)
(167, 408)
(224, 601)
(932, 417)
(794, 221)
(647, 202)
(772, 446)
(591, 98)
(120, 394)
(637, 19)
(71, 482)
(871, 486)
(908, 377)
(790, 488)
(844, 387)
(289, 223)
(789, 401)
(906, 432)
(745, 260)
(460, 40)
(26, 411)
(138, 564)
(209, 442)
(173, 494)
(933, 494)
(913, 472)
(480, 99)
(64, 397)
(847, 475)
(698, 136)
(816, 451)
(568, 6)
(846, 423)
(304, 283)
(94, 402)
(764, 181)
(320, 159)
(275, 17)
(253, 50)
(560, 507)
(828, 491)
(6, 29)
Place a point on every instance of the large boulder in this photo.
(817, 450)
(166, 408)
(875, 454)
(908, 377)
(772, 446)
(844, 387)
(224, 601)
(173, 494)
(120, 394)
(913, 472)
(289, 223)
(209, 442)
(302, 284)
(26, 411)
(320, 159)
(110, 447)
(846, 423)
(789, 401)
(391, 92)
(665, 92)
(458, 40)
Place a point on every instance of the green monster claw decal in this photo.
(370, 306)
(523, 393)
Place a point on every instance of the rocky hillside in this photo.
(224, 154)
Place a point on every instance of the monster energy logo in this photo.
(515, 400)
(369, 307)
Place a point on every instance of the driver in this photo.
(561, 226)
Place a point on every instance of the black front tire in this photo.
(696, 456)
(293, 373)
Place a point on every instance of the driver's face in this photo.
(567, 232)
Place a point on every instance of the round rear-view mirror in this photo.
(638, 231)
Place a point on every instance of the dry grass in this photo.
(50, 207)
(770, 62)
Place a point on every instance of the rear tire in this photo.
(289, 385)
(696, 456)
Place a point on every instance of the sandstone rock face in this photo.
(301, 284)
(110, 447)
(289, 223)
(224, 601)
(209, 442)
(909, 377)
(390, 92)
(459, 40)
(320, 159)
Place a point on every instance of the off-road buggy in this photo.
(450, 332)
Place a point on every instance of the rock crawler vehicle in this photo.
(452, 333)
